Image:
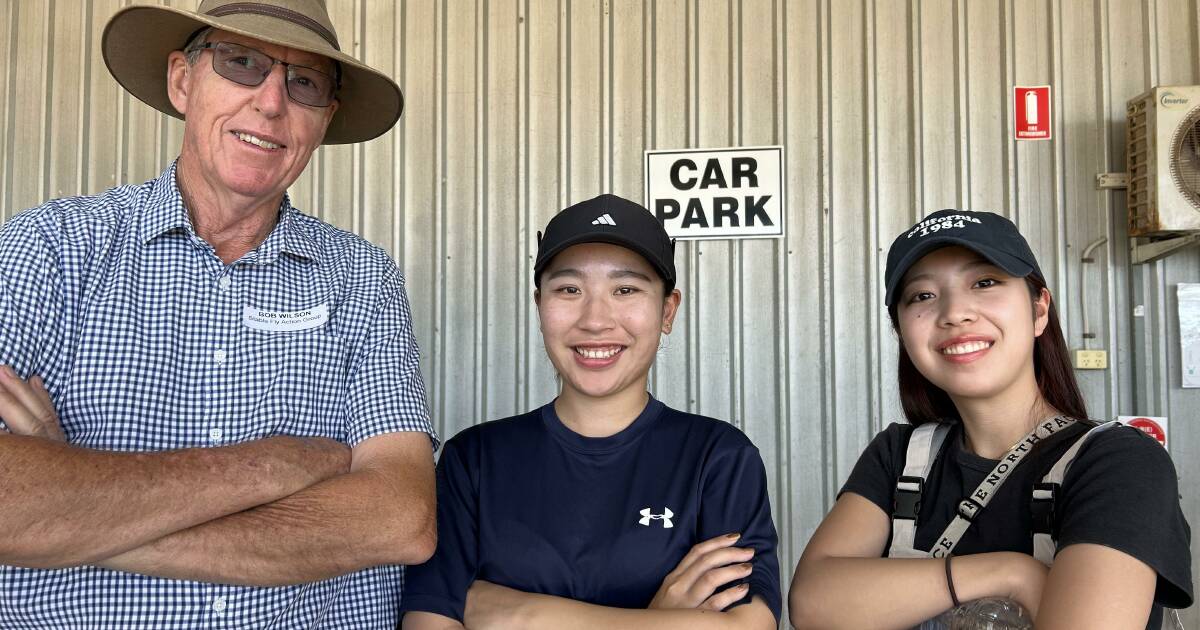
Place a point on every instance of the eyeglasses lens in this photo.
(250, 67)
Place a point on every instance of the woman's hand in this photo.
(708, 566)
(26, 408)
(491, 606)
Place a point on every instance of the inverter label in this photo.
(718, 193)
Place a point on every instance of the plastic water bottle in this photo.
(990, 613)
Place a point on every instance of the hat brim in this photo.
(612, 238)
(137, 40)
(1010, 264)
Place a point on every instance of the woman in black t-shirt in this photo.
(982, 350)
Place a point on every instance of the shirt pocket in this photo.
(305, 390)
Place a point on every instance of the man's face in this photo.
(241, 140)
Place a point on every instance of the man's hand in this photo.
(26, 408)
(708, 566)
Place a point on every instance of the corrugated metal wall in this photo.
(516, 108)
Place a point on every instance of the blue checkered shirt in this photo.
(139, 331)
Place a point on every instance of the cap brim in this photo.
(137, 40)
(600, 237)
(1011, 265)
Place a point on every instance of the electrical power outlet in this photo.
(1091, 360)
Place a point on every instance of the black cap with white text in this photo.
(985, 233)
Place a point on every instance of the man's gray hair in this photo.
(192, 47)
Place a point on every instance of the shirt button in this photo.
(215, 434)
(224, 283)
(219, 356)
(219, 605)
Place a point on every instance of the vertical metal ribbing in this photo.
(9, 111)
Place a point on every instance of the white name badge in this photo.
(277, 321)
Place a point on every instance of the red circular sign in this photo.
(1151, 428)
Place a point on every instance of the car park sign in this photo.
(718, 193)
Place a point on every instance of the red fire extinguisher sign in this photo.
(1031, 112)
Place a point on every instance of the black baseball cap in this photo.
(608, 219)
(985, 233)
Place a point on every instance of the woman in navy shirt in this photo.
(603, 508)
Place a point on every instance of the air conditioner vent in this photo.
(1163, 161)
(1185, 158)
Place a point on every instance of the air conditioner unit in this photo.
(1164, 161)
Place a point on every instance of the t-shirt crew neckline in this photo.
(601, 445)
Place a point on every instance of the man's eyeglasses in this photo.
(250, 67)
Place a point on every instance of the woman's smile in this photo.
(965, 348)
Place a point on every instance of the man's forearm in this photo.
(65, 506)
(340, 525)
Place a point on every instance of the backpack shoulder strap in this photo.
(923, 446)
(1045, 494)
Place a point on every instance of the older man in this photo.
(212, 409)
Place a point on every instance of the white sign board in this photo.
(1189, 333)
(717, 193)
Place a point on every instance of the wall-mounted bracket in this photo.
(1144, 250)
(1110, 181)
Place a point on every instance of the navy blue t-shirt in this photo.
(529, 504)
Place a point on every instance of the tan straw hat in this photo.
(138, 39)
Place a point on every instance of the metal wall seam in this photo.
(47, 90)
(526, 248)
(824, 124)
(83, 103)
(962, 108)
(396, 48)
(737, 271)
(8, 115)
(364, 48)
(1059, 141)
(690, 251)
(441, 182)
(606, 80)
(782, 474)
(480, 200)
(871, 233)
(1115, 326)
(1010, 208)
(918, 110)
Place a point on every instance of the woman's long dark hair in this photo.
(925, 402)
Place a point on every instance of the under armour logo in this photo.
(604, 219)
(665, 517)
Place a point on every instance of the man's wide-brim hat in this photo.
(138, 39)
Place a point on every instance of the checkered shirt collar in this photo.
(164, 212)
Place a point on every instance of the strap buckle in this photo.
(1041, 507)
(906, 502)
(969, 509)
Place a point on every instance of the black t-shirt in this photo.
(1120, 492)
(527, 503)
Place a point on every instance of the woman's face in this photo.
(969, 327)
(602, 309)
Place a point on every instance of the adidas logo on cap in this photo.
(604, 219)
